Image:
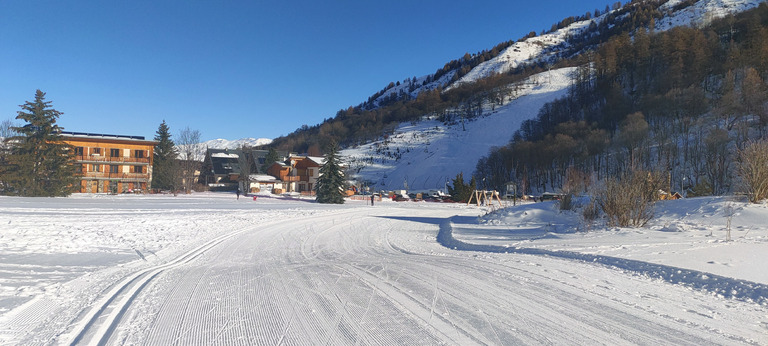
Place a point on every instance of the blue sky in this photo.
(238, 69)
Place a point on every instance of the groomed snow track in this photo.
(100, 321)
(378, 276)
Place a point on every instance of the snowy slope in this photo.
(428, 153)
(541, 47)
(702, 12)
(525, 52)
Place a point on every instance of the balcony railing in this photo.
(115, 176)
(108, 159)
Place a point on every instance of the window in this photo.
(95, 151)
(114, 169)
(138, 169)
(95, 168)
(114, 152)
(139, 154)
(78, 151)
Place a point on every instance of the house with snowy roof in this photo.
(297, 173)
(221, 168)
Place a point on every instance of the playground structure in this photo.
(485, 197)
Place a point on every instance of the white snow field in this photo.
(210, 269)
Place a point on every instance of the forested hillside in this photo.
(679, 101)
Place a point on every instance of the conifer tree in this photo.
(330, 184)
(164, 176)
(461, 191)
(270, 159)
(38, 163)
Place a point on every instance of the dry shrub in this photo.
(753, 170)
(576, 182)
(628, 201)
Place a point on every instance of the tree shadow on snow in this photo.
(427, 220)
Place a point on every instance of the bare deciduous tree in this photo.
(247, 167)
(576, 182)
(753, 169)
(188, 143)
(717, 161)
(6, 128)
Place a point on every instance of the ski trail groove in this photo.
(111, 307)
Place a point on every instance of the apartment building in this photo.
(112, 163)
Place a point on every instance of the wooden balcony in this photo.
(112, 159)
(141, 177)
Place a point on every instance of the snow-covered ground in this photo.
(209, 268)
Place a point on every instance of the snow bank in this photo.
(684, 244)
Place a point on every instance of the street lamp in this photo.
(682, 192)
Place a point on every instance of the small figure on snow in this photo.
(372, 199)
(238, 193)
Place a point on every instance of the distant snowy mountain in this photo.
(226, 144)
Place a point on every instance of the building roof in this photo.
(224, 161)
(108, 137)
(263, 178)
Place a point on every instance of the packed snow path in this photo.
(357, 274)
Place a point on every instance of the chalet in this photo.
(222, 167)
(297, 173)
(664, 196)
(112, 163)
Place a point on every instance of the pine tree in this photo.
(165, 172)
(461, 191)
(39, 162)
(330, 184)
(270, 159)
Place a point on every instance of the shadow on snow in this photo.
(727, 287)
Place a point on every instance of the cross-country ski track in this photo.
(377, 276)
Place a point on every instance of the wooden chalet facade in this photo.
(112, 163)
(297, 173)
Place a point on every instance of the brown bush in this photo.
(628, 201)
(753, 170)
